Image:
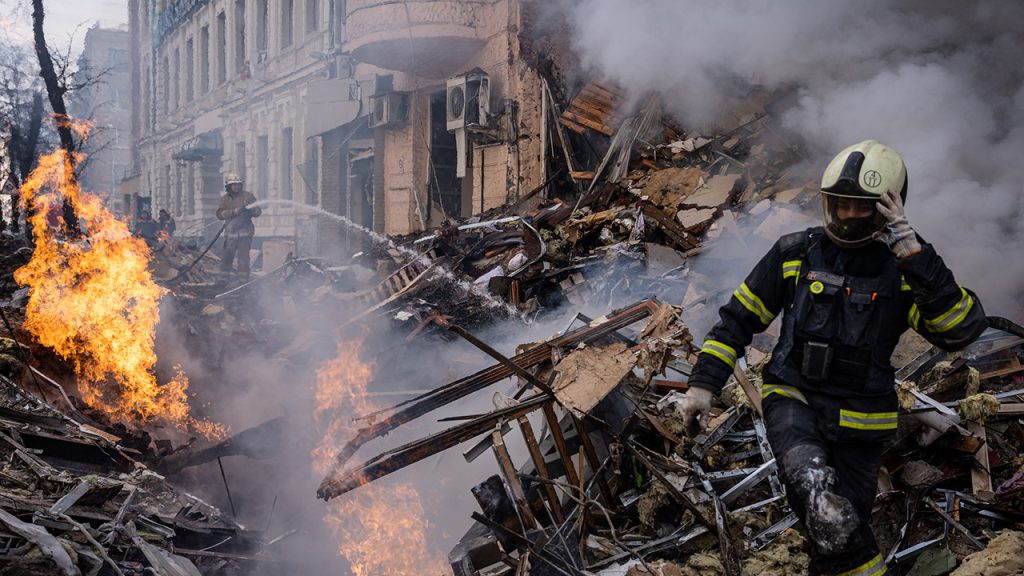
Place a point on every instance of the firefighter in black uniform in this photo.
(848, 291)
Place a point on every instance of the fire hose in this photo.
(183, 271)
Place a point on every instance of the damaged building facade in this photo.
(395, 116)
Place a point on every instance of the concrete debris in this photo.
(1002, 557)
(919, 474)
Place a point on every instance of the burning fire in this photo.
(381, 529)
(92, 300)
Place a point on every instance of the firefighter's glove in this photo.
(696, 402)
(897, 235)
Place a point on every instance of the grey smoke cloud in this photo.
(938, 81)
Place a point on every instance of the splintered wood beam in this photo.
(339, 482)
(542, 468)
(443, 395)
(981, 479)
(515, 485)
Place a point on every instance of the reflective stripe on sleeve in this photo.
(904, 287)
(783, 390)
(867, 420)
(873, 567)
(914, 317)
(953, 317)
(791, 268)
(751, 302)
(720, 350)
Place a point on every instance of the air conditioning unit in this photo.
(389, 110)
(468, 100)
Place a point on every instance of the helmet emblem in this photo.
(872, 178)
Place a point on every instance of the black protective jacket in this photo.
(843, 314)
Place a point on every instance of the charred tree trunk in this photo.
(55, 93)
(24, 152)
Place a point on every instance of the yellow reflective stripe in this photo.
(720, 350)
(868, 420)
(783, 390)
(873, 567)
(751, 302)
(904, 287)
(913, 317)
(952, 317)
(790, 268)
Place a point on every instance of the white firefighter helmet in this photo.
(860, 174)
(232, 178)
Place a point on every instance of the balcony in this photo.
(430, 38)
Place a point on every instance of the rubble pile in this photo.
(73, 500)
(614, 485)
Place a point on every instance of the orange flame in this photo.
(92, 300)
(381, 529)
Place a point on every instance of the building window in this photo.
(167, 195)
(262, 167)
(312, 15)
(222, 48)
(146, 115)
(176, 88)
(240, 159)
(190, 69)
(262, 14)
(239, 36)
(190, 188)
(204, 59)
(312, 183)
(286, 164)
(287, 22)
(166, 81)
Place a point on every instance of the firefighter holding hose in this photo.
(846, 291)
(238, 226)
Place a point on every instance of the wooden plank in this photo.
(590, 111)
(588, 123)
(563, 121)
(559, 438)
(541, 466)
(508, 470)
(753, 394)
(595, 462)
(588, 175)
(981, 480)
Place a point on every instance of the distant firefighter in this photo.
(239, 229)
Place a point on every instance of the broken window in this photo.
(204, 59)
(239, 36)
(312, 15)
(222, 48)
(262, 164)
(286, 164)
(445, 187)
(287, 22)
(190, 67)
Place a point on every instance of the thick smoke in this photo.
(938, 81)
